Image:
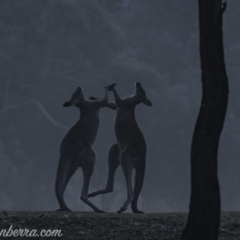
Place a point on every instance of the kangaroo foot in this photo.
(64, 210)
(91, 195)
(99, 211)
(121, 210)
(137, 211)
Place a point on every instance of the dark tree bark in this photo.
(204, 216)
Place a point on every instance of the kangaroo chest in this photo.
(83, 132)
(88, 129)
(126, 130)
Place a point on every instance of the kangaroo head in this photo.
(77, 98)
(140, 95)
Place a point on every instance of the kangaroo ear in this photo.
(67, 104)
(111, 106)
(147, 102)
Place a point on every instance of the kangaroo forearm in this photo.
(118, 100)
(104, 100)
(111, 106)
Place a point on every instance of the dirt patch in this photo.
(112, 226)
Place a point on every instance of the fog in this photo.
(49, 48)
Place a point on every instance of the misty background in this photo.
(49, 48)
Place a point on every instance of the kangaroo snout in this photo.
(67, 104)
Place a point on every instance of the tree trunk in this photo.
(204, 215)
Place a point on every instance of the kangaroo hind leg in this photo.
(87, 173)
(139, 177)
(127, 167)
(113, 163)
(87, 169)
(64, 173)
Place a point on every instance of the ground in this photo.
(112, 226)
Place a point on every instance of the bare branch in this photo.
(48, 116)
(15, 106)
(40, 107)
(7, 107)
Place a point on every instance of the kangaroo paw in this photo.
(111, 87)
(121, 210)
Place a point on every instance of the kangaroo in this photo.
(130, 149)
(75, 149)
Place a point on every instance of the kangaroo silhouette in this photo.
(130, 149)
(75, 150)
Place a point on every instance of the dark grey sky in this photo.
(49, 48)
